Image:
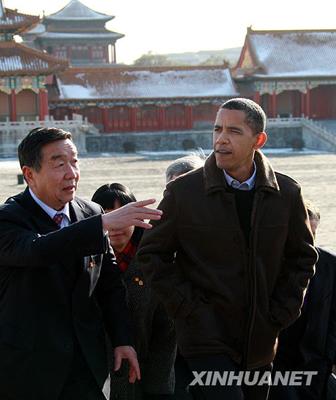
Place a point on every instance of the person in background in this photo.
(310, 343)
(183, 165)
(232, 255)
(183, 375)
(155, 341)
(59, 282)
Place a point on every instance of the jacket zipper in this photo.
(252, 278)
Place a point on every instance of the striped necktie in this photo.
(58, 218)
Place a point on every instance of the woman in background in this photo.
(154, 333)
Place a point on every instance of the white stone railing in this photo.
(315, 127)
(288, 121)
(320, 131)
(12, 132)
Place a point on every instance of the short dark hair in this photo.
(107, 195)
(30, 148)
(255, 115)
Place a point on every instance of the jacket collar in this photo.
(214, 177)
(40, 217)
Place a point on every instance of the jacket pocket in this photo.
(263, 343)
(209, 327)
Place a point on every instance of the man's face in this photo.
(56, 182)
(235, 143)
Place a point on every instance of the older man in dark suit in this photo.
(59, 284)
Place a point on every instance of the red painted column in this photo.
(303, 104)
(105, 119)
(189, 117)
(162, 118)
(43, 104)
(308, 105)
(257, 97)
(274, 105)
(13, 116)
(133, 116)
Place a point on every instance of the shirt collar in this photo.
(50, 211)
(246, 185)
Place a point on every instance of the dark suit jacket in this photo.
(52, 297)
(310, 343)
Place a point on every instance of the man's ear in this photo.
(28, 174)
(261, 140)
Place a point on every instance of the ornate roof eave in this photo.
(293, 78)
(147, 100)
(57, 65)
(257, 64)
(67, 36)
(15, 22)
(239, 71)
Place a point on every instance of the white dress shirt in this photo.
(246, 185)
(52, 212)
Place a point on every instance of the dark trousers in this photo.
(223, 363)
(81, 384)
(183, 376)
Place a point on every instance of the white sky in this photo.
(174, 26)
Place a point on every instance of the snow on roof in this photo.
(123, 83)
(14, 63)
(294, 53)
(75, 10)
(16, 59)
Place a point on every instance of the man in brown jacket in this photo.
(231, 257)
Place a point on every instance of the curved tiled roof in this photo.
(299, 53)
(75, 10)
(140, 83)
(17, 59)
(13, 21)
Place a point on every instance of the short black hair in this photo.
(30, 148)
(255, 115)
(107, 195)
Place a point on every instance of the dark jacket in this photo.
(226, 299)
(155, 342)
(310, 343)
(53, 299)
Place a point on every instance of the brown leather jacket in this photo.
(224, 298)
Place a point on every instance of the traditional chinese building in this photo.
(24, 72)
(76, 33)
(126, 99)
(290, 72)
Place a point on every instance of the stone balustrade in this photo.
(11, 133)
